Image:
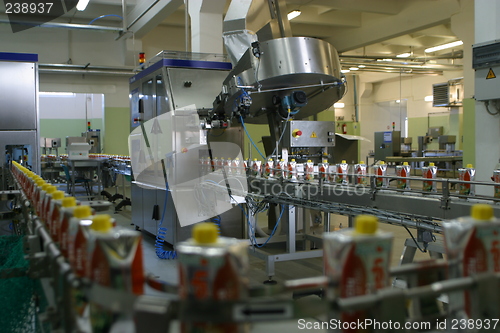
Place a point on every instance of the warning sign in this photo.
(490, 75)
(313, 135)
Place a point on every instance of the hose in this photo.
(160, 236)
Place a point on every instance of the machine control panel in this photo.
(300, 133)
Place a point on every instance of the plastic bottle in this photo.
(41, 199)
(342, 171)
(46, 202)
(255, 167)
(357, 260)
(472, 246)
(381, 170)
(466, 174)
(268, 171)
(82, 218)
(429, 172)
(116, 261)
(309, 171)
(53, 213)
(403, 171)
(36, 188)
(496, 179)
(212, 268)
(280, 169)
(292, 170)
(360, 172)
(62, 226)
(323, 171)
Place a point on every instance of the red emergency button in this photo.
(296, 133)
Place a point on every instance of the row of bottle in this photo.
(338, 173)
(94, 247)
(356, 260)
(281, 169)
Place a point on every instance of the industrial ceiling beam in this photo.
(148, 14)
(416, 16)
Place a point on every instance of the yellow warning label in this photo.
(490, 75)
(313, 135)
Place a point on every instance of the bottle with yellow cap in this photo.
(43, 191)
(116, 261)
(403, 171)
(342, 170)
(82, 216)
(236, 167)
(323, 168)
(36, 188)
(212, 268)
(68, 204)
(380, 169)
(46, 202)
(466, 174)
(429, 172)
(357, 261)
(53, 212)
(292, 170)
(360, 172)
(309, 171)
(255, 167)
(473, 247)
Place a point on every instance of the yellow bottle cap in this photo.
(469, 166)
(382, 162)
(39, 182)
(58, 195)
(237, 159)
(481, 212)
(405, 163)
(69, 202)
(205, 233)
(431, 164)
(51, 189)
(361, 162)
(292, 160)
(325, 161)
(46, 186)
(366, 224)
(282, 160)
(309, 161)
(344, 161)
(270, 160)
(82, 211)
(255, 159)
(101, 223)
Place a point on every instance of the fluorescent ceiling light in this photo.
(387, 59)
(353, 68)
(404, 55)
(339, 105)
(444, 46)
(82, 4)
(429, 98)
(56, 94)
(293, 14)
(398, 101)
(361, 66)
(344, 71)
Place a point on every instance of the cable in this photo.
(416, 243)
(160, 237)
(487, 104)
(282, 133)
(249, 138)
(254, 241)
(102, 16)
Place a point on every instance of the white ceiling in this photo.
(360, 29)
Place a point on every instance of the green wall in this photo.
(452, 125)
(117, 122)
(61, 128)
